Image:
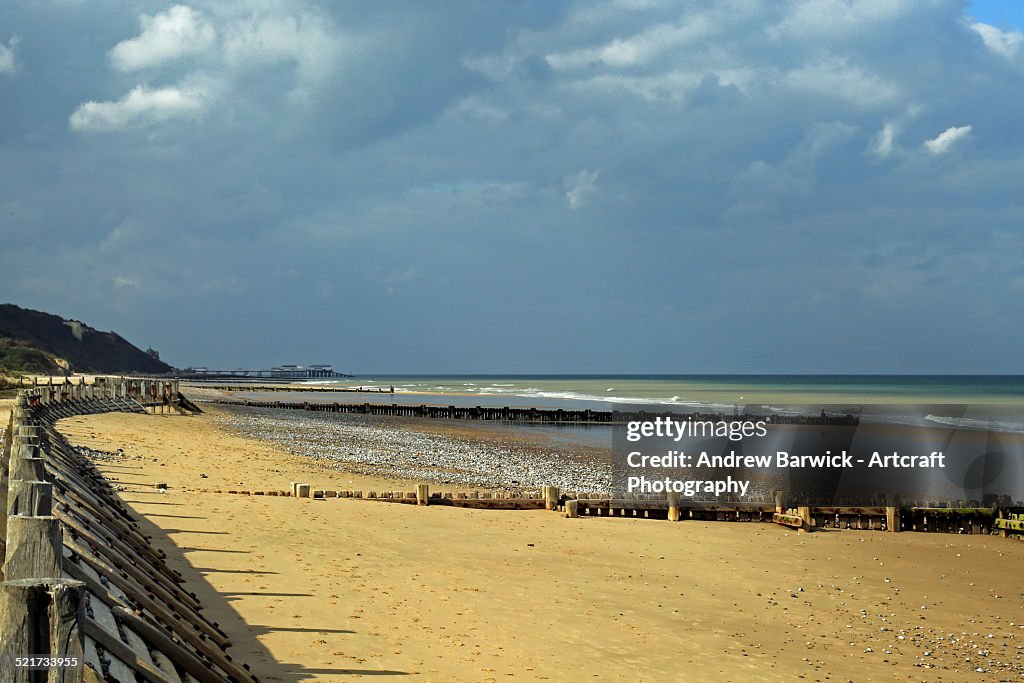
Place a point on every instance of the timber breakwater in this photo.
(527, 415)
(85, 596)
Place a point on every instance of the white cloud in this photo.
(838, 78)
(166, 36)
(581, 186)
(813, 20)
(1005, 43)
(233, 41)
(884, 142)
(638, 49)
(946, 139)
(307, 40)
(139, 107)
(122, 282)
(475, 107)
(8, 61)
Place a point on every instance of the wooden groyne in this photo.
(53, 401)
(85, 595)
(440, 412)
(539, 415)
(893, 517)
(261, 386)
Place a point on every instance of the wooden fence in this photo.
(85, 596)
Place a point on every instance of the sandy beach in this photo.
(340, 590)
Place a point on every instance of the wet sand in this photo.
(342, 590)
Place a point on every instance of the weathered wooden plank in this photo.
(92, 657)
(521, 504)
(182, 656)
(27, 468)
(1011, 525)
(165, 590)
(119, 670)
(42, 617)
(793, 521)
(139, 647)
(83, 571)
(102, 615)
(148, 560)
(163, 605)
(29, 498)
(166, 666)
(121, 660)
(33, 548)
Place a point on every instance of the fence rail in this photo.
(83, 589)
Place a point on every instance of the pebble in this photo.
(388, 449)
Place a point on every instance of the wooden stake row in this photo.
(81, 581)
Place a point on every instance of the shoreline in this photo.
(693, 397)
(341, 589)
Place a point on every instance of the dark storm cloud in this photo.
(813, 185)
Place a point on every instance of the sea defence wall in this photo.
(509, 414)
(85, 596)
(891, 516)
(54, 400)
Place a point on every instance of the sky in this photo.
(604, 186)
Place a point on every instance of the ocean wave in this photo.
(535, 392)
(976, 424)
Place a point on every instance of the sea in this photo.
(911, 409)
(989, 402)
(716, 391)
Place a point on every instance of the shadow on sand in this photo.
(149, 502)
(246, 648)
(305, 673)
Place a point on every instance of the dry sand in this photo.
(341, 590)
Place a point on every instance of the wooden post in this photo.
(674, 513)
(804, 512)
(28, 430)
(21, 439)
(572, 508)
(34, 548)
(780, 502)
(422, 494)
(30, 498)
(42, 618)
(893, 523)
(27, 468)
(551, 497)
